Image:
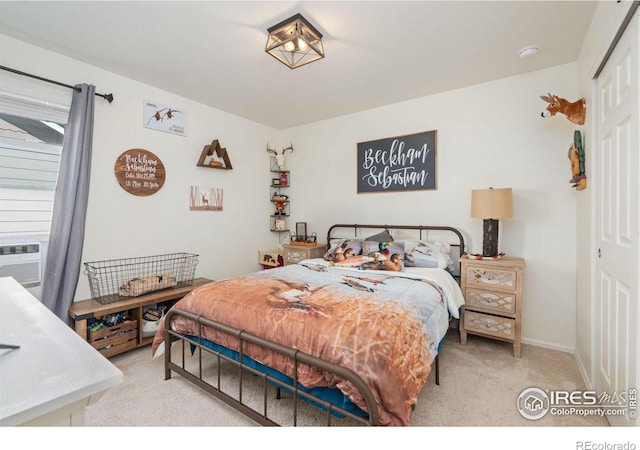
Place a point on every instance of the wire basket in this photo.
(118, 279)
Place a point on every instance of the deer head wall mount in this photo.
(280, 156)
(575, 111)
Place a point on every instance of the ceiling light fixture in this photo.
(295, 42)
(528, 52)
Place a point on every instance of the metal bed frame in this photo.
(261, 415)
(236, 401)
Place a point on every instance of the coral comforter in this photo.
(385, 326)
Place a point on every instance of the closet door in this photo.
(616, 309)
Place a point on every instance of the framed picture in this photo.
(164, 118)
(275, 182)
(401, 163)
(301, 231)
(204, 198)
(279, 225)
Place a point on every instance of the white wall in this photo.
(121, 225)
(487, 135)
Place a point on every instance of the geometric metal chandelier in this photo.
(295, 42)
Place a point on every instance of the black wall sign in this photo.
(403, 163)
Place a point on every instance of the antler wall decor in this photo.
(280, 156)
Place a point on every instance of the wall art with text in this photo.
(401, 163)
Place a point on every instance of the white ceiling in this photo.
(377, 52)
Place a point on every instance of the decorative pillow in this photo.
(383, 254)
(369, 247)
(383, 236)
(340, 249)
(427, 254)
(393, 263)
(354, 261)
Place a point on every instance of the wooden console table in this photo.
(80, 312)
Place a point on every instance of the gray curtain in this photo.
(62, 268)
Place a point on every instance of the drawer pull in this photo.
(487, 324)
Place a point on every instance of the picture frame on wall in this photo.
(164, 118)
(205, 198)
(399, 163)
(275, 182)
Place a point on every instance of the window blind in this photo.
(29, 158)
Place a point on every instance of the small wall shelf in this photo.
(279, 182)
(209, 151)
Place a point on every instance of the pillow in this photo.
(369, 247)
(428, 254)
(340, 249)
(383, 236)
(393, 263)
(353, 261)
(384, 251)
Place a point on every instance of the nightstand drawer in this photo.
(295, 256)
(491, 278)
(490, 301)
(500, 327)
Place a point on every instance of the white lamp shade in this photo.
(492, 203)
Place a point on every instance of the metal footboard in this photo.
(296, 356)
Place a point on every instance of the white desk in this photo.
(55, 374)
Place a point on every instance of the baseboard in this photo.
(584, 372)
(549, 345)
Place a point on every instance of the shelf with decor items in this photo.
(280, 181)
(492, 290)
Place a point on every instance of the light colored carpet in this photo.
(479, 387)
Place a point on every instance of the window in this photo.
(29, 161)
(33, 116)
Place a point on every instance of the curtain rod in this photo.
(107, 97)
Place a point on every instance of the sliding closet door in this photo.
(617, 211)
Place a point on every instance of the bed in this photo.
(355, 343)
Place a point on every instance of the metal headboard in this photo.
(352, 230)
(420, 228)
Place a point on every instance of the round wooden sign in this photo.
(140, 172)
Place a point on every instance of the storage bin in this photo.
(150, 327)
(120, 337)
(118, 279)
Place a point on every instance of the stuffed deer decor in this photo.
(575, 111)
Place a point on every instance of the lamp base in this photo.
(490, 238)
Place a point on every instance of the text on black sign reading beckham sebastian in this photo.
(396, 167)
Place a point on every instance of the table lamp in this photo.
(491, 204)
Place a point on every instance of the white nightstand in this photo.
(492, 291)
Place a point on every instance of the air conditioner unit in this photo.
(23, 262)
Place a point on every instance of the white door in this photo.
(617, 211)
